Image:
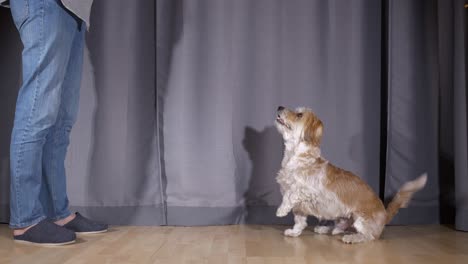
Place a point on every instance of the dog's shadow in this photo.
(265, 150)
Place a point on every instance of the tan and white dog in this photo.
(310, 185)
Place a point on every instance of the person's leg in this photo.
(47, 31)
(54, 191)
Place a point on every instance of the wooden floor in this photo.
(243, 244)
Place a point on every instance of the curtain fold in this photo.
(112, 162)
(113, 159)
(453, 112)
(412, 136)
(428, 108)
(232, 64)
(460, 59)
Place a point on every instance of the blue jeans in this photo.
(46, 109)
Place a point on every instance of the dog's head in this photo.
(300, 125)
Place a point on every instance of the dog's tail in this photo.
(403, 197)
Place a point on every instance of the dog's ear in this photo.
(313, 130)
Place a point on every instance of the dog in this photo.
(310, 185)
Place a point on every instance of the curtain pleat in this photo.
(232, 63)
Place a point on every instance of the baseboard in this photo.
(124, 215)
(4, 213)
(204, 216)
(461, 220)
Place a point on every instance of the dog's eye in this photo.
(299, 115)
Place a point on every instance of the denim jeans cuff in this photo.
(26, 224)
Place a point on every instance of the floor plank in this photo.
(245, 244)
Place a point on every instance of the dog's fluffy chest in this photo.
(308, 181)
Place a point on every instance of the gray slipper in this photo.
(46, 233)
(82, 225)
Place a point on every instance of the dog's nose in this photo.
(280, 108)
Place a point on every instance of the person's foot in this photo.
(82, 225)
(20, 231)
(45, 233)
(65, 220)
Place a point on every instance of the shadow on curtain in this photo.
(231, 65)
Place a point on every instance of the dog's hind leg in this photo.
(321, 228)
(341, 225)
(300, 222)
(367, 229)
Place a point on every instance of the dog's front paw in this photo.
(281, 212)
(292, 233)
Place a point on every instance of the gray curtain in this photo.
(113, 170)
(412, 143)
(197, 145)
(453, 113)
(227, 65)
(427, 108)
(460, 86)
(112, 163)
